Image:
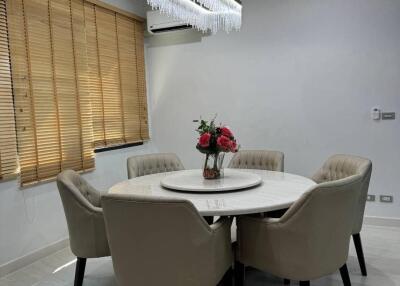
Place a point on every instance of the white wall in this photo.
(33, 218)
(137, 7)
(300, 77)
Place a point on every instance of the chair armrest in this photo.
(90, 209)
(259, 238)
(87, 232)
(271, 220)
(273, 245)
(221, 255)
(96, 210)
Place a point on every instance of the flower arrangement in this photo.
(214, 141)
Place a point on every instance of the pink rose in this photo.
(224, 143)
(233, 148)
(226, 132)
(204, 140)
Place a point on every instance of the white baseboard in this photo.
(25, 260)
(382, 221)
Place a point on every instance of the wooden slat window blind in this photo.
(51, 91)
(115, 45)
(8, 149)
(139, 36)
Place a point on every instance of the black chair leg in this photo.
(345, 275)
(360, 253)
(79, 271)
(286, 281)
(227, 280)
(304, 283)
(240, 274)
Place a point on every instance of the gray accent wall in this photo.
(300, 77)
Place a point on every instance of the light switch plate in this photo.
(386, 199)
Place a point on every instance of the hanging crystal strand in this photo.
(185, 11)
(219, 5)
(229, 12)
(224, 14)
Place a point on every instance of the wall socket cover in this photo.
(386, 199)
(388, 115)
(371, 198)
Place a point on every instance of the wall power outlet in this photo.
(386, 199)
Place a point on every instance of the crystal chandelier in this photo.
(204, 15)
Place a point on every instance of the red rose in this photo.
(204, 140)
(226, 132)
(233, 148)
(224, 143)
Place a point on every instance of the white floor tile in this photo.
(381, 247)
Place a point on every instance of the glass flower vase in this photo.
(213, 166)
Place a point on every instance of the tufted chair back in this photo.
(82, 207)
(164, 241)
(152, 164)
(258, 159)
(342, 166)
(310, 240)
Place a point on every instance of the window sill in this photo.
(117, 147)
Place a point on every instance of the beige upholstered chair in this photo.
(309, 241)
(258, 159)
(165, 242)
(342, 166)
(153, 163)
(82, 207)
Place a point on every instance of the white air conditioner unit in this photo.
(158, 23)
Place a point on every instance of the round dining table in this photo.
(275, 191)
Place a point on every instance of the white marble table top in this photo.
(277, 191)
(193, 181)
